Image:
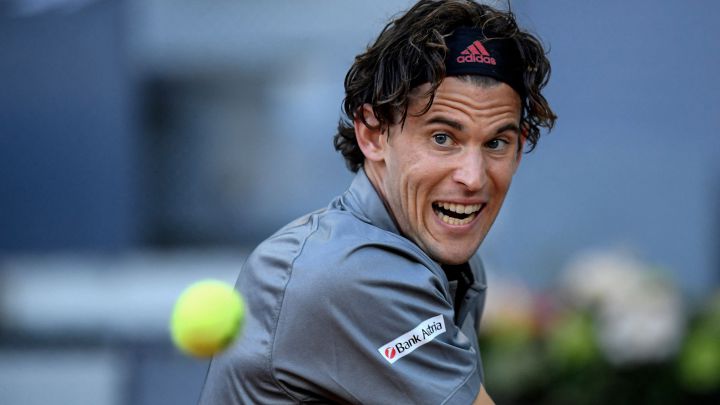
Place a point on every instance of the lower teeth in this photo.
(455, 221)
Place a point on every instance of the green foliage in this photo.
(699, 360)
(559, 360)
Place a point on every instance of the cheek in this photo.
(417, 179)
(422, 175)
(501, 175)
(410, 188)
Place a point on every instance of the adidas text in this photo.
(476, 59)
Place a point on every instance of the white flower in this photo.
(640, 315)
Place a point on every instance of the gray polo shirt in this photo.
(342, 309)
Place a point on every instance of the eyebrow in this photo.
(446, 121)
(458, 126)
(509, 127)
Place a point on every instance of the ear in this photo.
(521, 146)
(369, 137)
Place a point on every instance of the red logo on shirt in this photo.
(390, 352)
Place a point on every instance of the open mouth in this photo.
(456, 214)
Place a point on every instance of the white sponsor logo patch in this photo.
(401, 346)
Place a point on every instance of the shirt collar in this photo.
(364, 201)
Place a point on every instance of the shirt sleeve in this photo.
(374, 326)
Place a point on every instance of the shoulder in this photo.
(332, 252)
(347, 255)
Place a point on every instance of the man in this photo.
(376, 299)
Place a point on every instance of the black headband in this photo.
(471, 53)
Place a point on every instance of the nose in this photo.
(470, 171)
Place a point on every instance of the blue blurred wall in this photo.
(68, 146)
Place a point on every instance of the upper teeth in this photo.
(460, 208)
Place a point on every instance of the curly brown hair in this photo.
(411, 51)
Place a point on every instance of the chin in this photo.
(454, 259)
(455, 262)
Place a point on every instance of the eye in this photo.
(497, 144)
(441, 139)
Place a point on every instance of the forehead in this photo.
(468, 97)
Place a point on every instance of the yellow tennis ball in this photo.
(207, 317)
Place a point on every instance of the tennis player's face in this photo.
(445, 174)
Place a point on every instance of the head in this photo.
(441, 144)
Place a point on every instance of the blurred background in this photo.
(146, 144)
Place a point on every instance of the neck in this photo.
(372, 171)
(374, 174)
